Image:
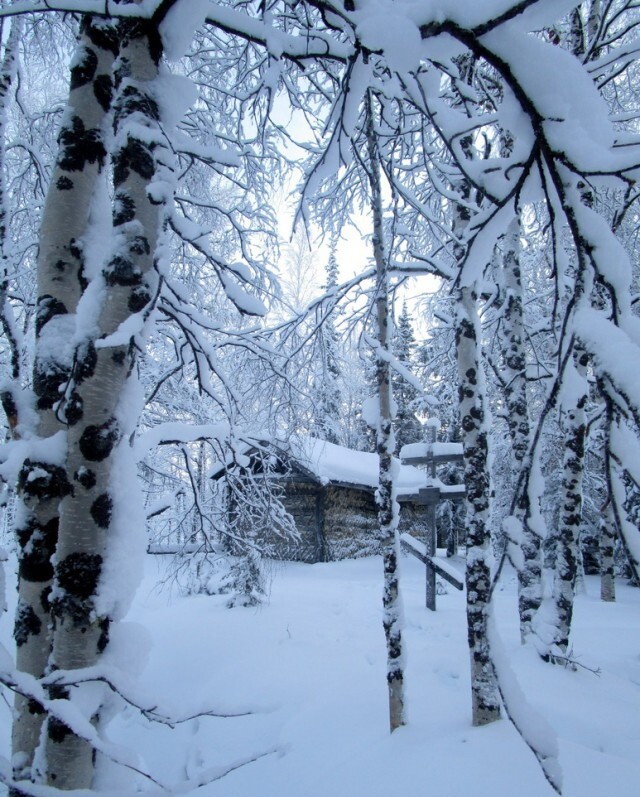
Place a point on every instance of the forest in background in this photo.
(492, 154)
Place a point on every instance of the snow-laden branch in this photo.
(150, 708)
(179, 433)
(311, 44)
(97, 8)
(534, 729)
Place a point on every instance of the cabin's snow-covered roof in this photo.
(328, 463)
(332, 463)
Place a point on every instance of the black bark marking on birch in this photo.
(57, 731)
(86, 361)
(27, 623)
(43, 481)
(139, 245)
(64, 184)
(97, 442)
(101, 510)
(9, 405)
(38, 546)
(468, 424)
(48, 308)
(123, 273)
(74, 409)
(80, 146)
(84, 70)
(103, 91)
(139, 299)
(84, 282)
(86, 477)
(75, 248)
(123, 68)
(103, 639)
(45, 596)
(35, 707)
(132, 100)
(23, 534)
(102, 33)
(47, 383)
(78, 574)
(134, 156)
(119, 357)
(124, 209)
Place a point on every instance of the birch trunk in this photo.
(81, 622)
(60, 281)
(567, 554)
(485, 699)
(515, 392)
(385, 446)
(609, 529)
(9, 327)
(607, 549)
(472, 409)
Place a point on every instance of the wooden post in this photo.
(430, 544)
(430, 455)
(429, 496)
(432, 541)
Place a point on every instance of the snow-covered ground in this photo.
(310, 665)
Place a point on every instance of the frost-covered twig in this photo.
(151, 710)
(186, 786)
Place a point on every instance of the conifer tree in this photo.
(327, 398)
(407, 426)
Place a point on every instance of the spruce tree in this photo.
(407, 426)
(328, 399)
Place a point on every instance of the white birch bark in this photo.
(385, 446)
(9, 327)
(593, 25)
(608, 522)
(81, 624)
(514, 363)
(472, 408)
(485, 698)
(567, 554)
(60, 277)
(607, 550)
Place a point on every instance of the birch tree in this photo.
(385, 443)
(95, 433)
(43, 481)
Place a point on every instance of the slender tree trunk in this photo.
(567, 554)
(43, 483)
(9, 327)
(485, 699)
(609, 529)
(593, 24)
(104, 361)
(607, 549)
(517, 405)
(385, 446)
(11, 390)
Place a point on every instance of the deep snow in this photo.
(311, 664)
